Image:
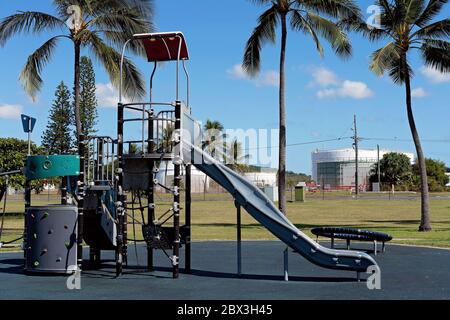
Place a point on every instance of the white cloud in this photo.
(107, 95)
(348, 89)
(334, 87)
(269, 78)
(10, 111)
(324, 77)
(355, 89)
(237, 72)
(266, 78)
(435, 75)
(418, 92)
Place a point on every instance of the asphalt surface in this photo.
(406, 273)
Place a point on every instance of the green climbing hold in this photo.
(36, 263)
(35, 235)
(45, 215)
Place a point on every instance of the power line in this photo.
(407, 140)
(300, 143)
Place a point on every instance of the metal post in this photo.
(355, 137)
(286, 264)
(239, 238)
(120, 195)
(29, 141)
(176, 196)
(188, 200)
(80, 202)
(64, 184)
(151, 187)
(378, 167)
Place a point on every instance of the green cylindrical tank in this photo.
(43, 167)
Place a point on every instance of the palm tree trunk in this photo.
(282, 138)
(425, 214)
(76, 89)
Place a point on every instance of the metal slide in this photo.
(255, 202)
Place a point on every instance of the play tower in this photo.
(128, 190)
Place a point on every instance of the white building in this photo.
(267, 177)
(198, 178)
(336, 168)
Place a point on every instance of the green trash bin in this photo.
(300, 193)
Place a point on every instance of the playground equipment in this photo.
(349, 234)
(117, 180)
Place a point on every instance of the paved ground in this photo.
(406, 272)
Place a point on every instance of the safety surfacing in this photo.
(406, 273)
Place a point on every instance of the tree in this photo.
(88, 99)
(102, 26)
(213, 143)
(213, 138)
(166, 142)
(407, 26)
(13, 153)
(57, 138)
(235, 157)
(437, 179)
(395, 169)
(307, 16)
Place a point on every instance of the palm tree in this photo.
(102, 26)
(213, 137)
(235, 157)
(309, 17)
(408, 26)
(166, 141)
(213, 143)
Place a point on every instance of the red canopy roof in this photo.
(164, 46)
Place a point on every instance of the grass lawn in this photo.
(215, 219)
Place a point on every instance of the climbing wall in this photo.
(50, 239)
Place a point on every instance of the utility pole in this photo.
(355, 144)
(378, 166)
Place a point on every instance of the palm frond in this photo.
(335, 8)
(133, 83)
(397, 72)
(260, 2)
(383, 59)
(264, 32)
(332, 33)
(372, 33)
(413, 10)
(388, 18)
(300, 24)
(124, 20)
(435, 30)
(436, 54)
(431, 10)
(30, 21)
(30, 76)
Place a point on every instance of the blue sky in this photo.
(323, 94)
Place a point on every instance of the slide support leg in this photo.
(286, 264)
(239, 239)
(187, 252)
